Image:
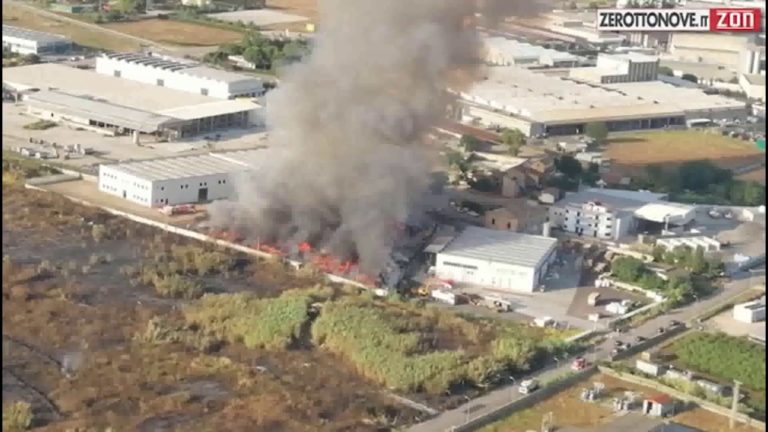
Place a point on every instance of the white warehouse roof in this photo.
(33, 35)
(76, 106)
(543, 98)
(513, 49)
(182, 167)
(178, 66)
(501, 246)
(661, 212)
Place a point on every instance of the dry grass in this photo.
(17, 16)
(757, 175)
(661, 147)
(568, 409)
(176, 32)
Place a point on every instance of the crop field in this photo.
(177, 32)
(568, 409)
(724, 358)
(671, 147)
(18, 16)
(108, 323)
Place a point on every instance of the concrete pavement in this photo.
(496, 399)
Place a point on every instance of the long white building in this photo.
(179, 75)
(496, 259)
(24, 41)
(500, 51)
(178, 180)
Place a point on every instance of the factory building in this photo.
(112, 106)
(496, 259)
(750, 312)
(609, 214)
(501, 51)
(23, 41)
(177, 180)
(179, 75)
(536, 103)
(619, 68)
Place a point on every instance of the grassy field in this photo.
(14, 15)
(177, 32)
(568, 410)
(667, 147)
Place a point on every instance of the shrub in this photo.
(99, 232)
(257, 323)
(161, 331)
(175, 286)
(40, 125)
(17, 416)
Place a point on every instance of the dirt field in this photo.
(757, 175)
(668, 147)
(568, 410)
(13, 15)
(55, 270)
(177, 33)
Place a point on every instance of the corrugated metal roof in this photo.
(181, 167)
(182, 67)
(33, 35)
(100, 111)
(500, 246)
(211, 109)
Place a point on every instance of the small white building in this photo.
(496, 259)
(750, 312)
(177, 180)
(179, 75)
(619, 68)
(24, 41)
(500, 51)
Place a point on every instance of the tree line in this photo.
(265, 54)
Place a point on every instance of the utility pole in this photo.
(735, 406)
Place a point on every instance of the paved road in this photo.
(498, 398)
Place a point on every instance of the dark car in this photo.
(618, 343)
(662, 330)
(640, 339)
(675, 323)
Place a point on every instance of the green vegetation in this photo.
(17, 417)
(598, 131)
(692, 280)
(176, 286)
(469, 143)
(724, 357)
(513, 139)
(702, 181)
(572, 173)
(257, 323)
(17, 168)
(265, 54)
(408, 348)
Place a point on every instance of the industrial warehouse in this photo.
(178, 180)
(114, 106)
(496, 259)
(24, 41)
(623, 97)
(178, 75)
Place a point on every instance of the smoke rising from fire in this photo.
(346, 161)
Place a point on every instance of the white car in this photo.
(528, 386)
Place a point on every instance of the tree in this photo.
(469, 143)
(598, 131)
(569, 166)
(591, 175)
(513, 139)
(627, 269)
(690, 77)
(127, 6)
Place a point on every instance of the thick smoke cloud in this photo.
(346, 161)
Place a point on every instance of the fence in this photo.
(709, 406)
(525, 402)
(648, 343)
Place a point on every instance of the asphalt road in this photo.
(494, 400)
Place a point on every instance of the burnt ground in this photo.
(70, 320)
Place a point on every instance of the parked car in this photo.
(578, 363)
(675, 324)
(662, 330)
(618, 343)
(640, 339)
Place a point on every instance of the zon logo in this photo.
(734, 20)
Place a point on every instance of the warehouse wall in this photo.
(192, 190)
(486, 273)
(120, 184)
(173, 80)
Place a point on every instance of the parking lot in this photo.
(112, 149)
